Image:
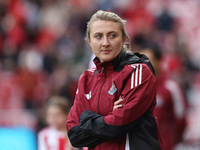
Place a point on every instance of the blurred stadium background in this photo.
(43, 53)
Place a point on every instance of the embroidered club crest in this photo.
(113, 89)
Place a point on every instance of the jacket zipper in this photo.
(100, 94)
(101, 89)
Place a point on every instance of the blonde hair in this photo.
(109, 16)
(61, 102)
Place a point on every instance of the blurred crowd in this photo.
(43, 52)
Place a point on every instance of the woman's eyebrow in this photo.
(112, 32)
(107, 33)
(97, 33)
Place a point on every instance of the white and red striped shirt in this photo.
(51, 139)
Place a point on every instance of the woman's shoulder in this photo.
(131, 59)
(142, 67)
(138, 71)
(89, 72)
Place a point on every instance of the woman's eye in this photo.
(113, 35)
(98, 36)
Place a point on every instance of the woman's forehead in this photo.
(104, 26)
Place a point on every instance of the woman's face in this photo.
(56, 117)
(106, 39)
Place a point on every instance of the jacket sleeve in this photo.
(77, 136)
(138, 93)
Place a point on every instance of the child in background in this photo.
(54, 137)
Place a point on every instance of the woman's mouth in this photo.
(106, 51)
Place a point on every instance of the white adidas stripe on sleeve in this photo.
(136, 78)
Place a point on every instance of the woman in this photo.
(114, 101)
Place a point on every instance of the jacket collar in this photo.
(124, 58)
(110, 65)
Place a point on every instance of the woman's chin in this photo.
(107, 58)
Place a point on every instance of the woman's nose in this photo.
(105, 42)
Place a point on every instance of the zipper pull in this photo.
(102, 69)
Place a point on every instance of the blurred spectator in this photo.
(62, 83)
(12, 96)
(165, 22)
(51, 60)
(141, 21)
(32, 77)
(54, 136)
(191, 135)
(171, 105)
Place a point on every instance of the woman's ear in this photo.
(89, 42)
(124, 39)
(89, 45)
